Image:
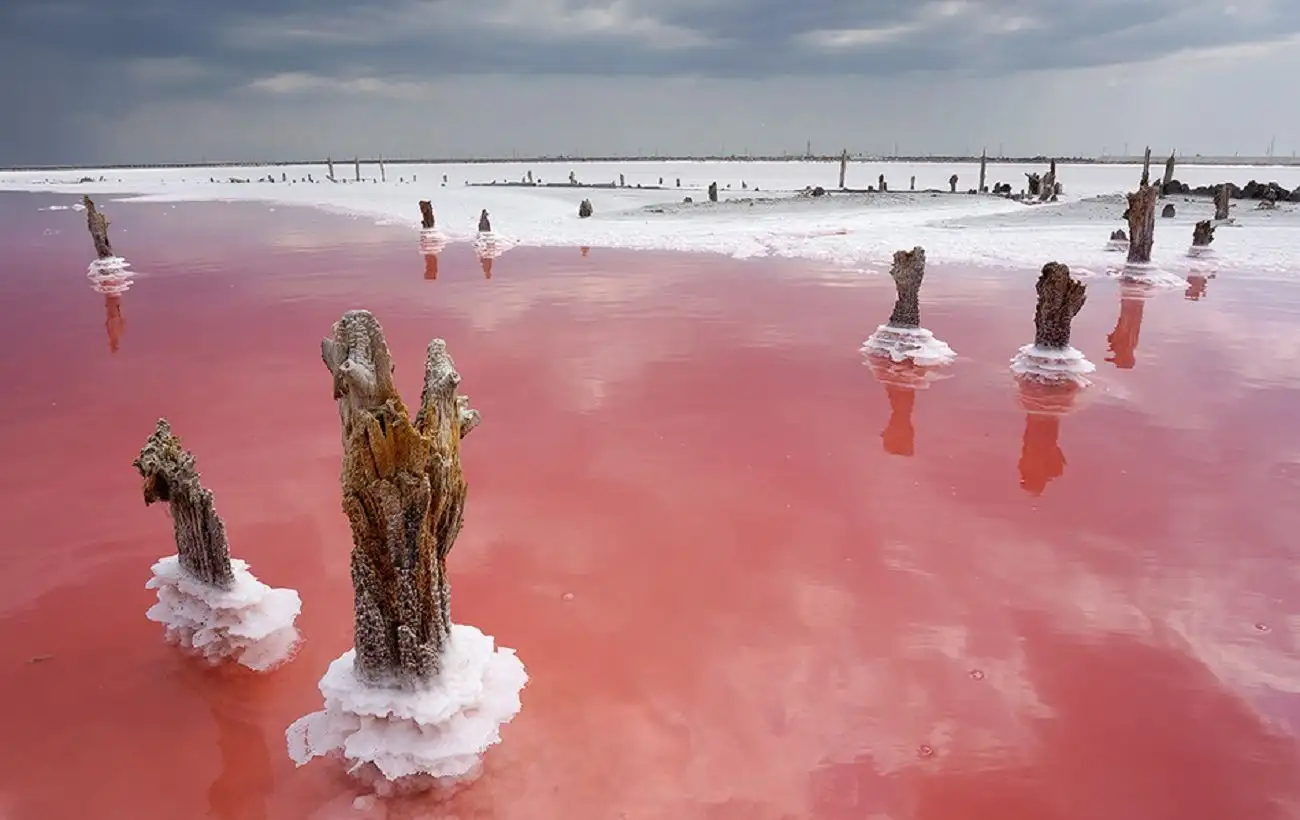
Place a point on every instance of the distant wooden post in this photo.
(383, 175)
(912, 185)
(426, 215)
(330, 164)
(98, 225)
(844, 167)
(713, 192)
(1047, 185)
(622, 181)
(952, 183)
(484, 224)
(357, 162)
(984, 162)
(584, 209)
(1146, 169)
(1169, 175)
(1222, 195)
(1141, 218)
(884, 186)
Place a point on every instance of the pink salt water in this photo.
(750, 575)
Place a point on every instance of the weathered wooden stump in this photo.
(1033, 183)
(1203, 234)
(1060, 298)
(584, 209)
(622, 182)
(1141, 216)
(1047, 186)
(884, 186)
(383, 173)
(356, 162)
(97, 223)
(1146, 169)
(170, 475)
(844, 167)
(1118, 235)
(984, 164)
(911, 186)
(404, 495)
(1169, 211)
(907, 271)
(329, 164)
(484, 224)
(1169, 174)
(713, 192)
(952, 183)
(427, 220)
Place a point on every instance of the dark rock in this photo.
(1168, 212)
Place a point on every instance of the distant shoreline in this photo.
(1156, 162)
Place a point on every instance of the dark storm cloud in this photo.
(67, 62)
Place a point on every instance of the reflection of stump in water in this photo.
(1060, 298)
(1041, 457)
(899, 436)
(585, 250)
(486, 263)
(245, 781)
(1195, 287)
(431, 266)
(114, 322)
(1123, 340)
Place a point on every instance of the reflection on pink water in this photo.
(733, 601)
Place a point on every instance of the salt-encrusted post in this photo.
(1169, 174)
(908, 270)
(427, 220)
(1146, 168)
(844, 167)
(329, 163)
(484, 224)
(1222, 201)
(170, 475)
(1060, 298)
(98, 225)
(404, 495)
(356, 161)
(984, 163)
(952, 183)
(1203, 234)
(713, 192)
(1141, 216)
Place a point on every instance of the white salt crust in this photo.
(433, 737)
(917, 345)
(1052, 364)
(251, 623)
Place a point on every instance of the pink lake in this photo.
(749, 579)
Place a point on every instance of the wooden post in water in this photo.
(357, 163)
(383, 175)
(1141, 218)
(1203, 234)
(1060, 298)
(1146, 168)
(1169, 174)
(329, 163)
(1222, 195)
(98, 225)
(844, 167)
(426, 215)
(984, 162)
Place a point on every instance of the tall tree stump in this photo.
(713, 192)
(1047, 186)
(383, 174)
(844, 167)
(170, 476)
(1141, 216)
(329, 164)
(907, 271)
(1146, 168)
(1060, 298)
(404, 495)
(98, 225)
(884, 186)
(484, 224)
(427, 220)
(1203, 234)
(1222, 201)
(1169, 174)
(911, 185)
(984, 164)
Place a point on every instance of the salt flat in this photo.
(760, 212)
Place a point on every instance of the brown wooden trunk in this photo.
(170, 475)
(97, 223)
(1141, 216)
(1146, 168)
(1203, 234)
(1060, 298)
(1222, 201)
(427, 220)
(404, 496)
(908, 270)
(1169, 174)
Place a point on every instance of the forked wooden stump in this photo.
(1141, 216)
(1060, 298)
(170, 475)
(427, 220)
(1203, 234)
(404, 495)
(98, 225)
(908, 271)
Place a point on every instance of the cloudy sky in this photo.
(96, 81)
